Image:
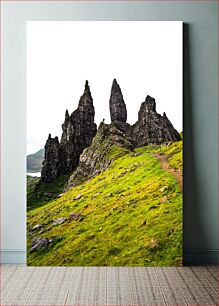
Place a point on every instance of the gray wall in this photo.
(200, 111)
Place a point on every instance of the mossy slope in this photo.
(132, 216)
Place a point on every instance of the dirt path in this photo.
(165, 166)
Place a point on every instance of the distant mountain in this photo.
(34, 161)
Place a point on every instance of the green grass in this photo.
(124, 209)
(39, 193)
(31, 183)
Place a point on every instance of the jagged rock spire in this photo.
(87, 87)
(150, 104)
(67, 114)
(118, 110)
(78, 132)
(50, 169)
(151, 127)
(86, 100)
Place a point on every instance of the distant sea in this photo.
(38, 174)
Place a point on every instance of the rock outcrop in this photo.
(50, 169)
(86, 154)
(108, 144)
(151, 127)
(39, 243)
(124, 127)
(118, 110)
(78, 132)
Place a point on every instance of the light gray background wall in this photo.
(200, 111)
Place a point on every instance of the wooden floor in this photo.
(79, 286)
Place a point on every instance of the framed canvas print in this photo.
(104, 143)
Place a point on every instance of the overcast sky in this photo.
(144, 56)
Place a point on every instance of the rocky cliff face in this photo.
(78, 132)
(50, 169)
(151, 127)
(108, 144)
(80, 148)
(118, 110)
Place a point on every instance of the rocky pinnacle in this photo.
(78, 131)
(50, 169)
(151, 127)
(118, 110)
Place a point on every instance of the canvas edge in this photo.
(191, 257)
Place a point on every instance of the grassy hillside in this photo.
(31, 183)
(130, 215)
(174, 152)
(39, 193)
(34, 161)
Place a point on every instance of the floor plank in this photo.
(101, 286)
